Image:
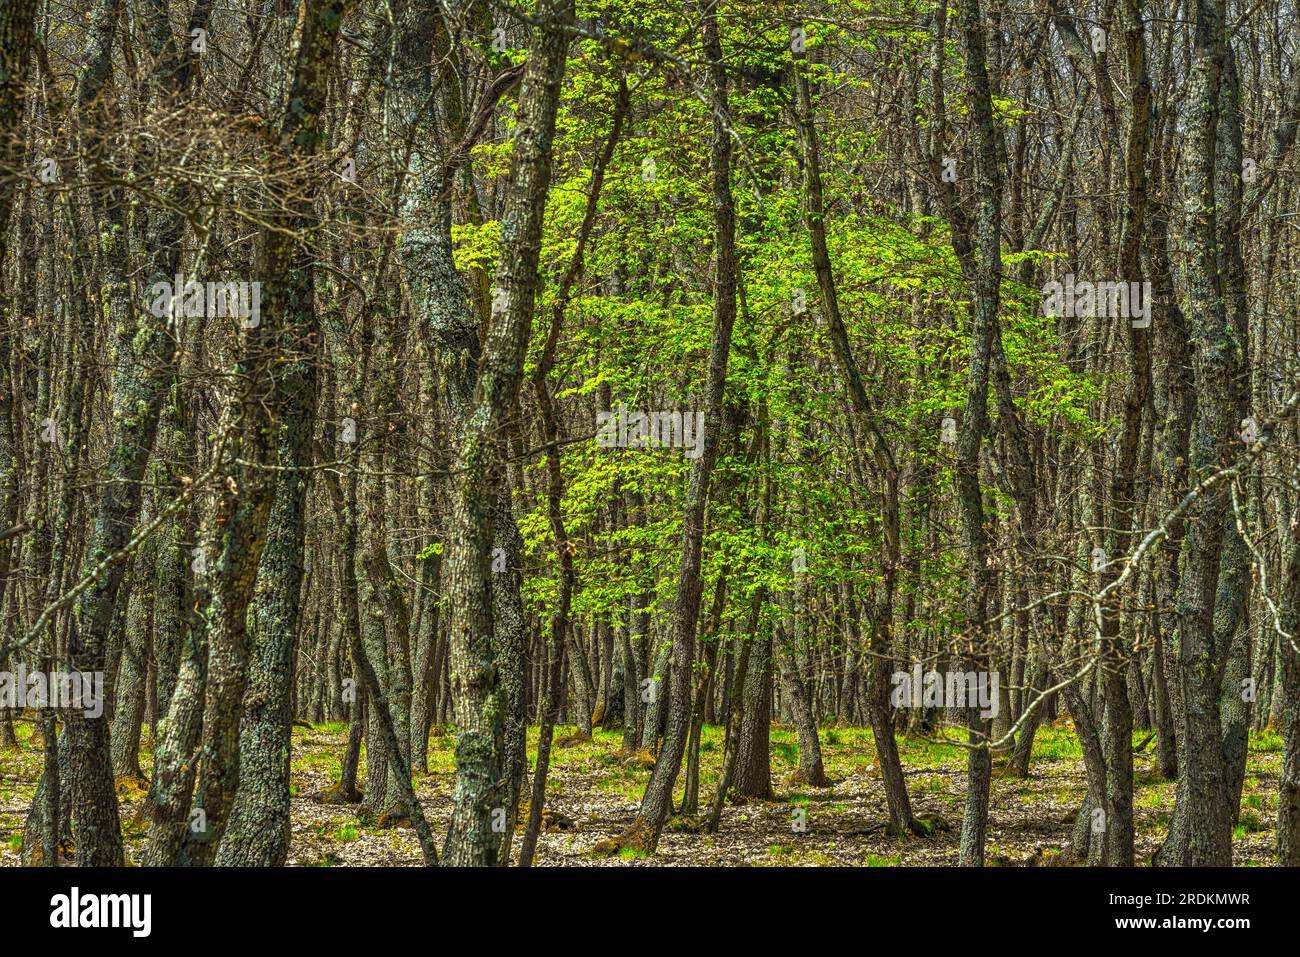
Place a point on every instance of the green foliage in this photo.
(901, 295)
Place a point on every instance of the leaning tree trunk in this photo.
(900, 809)
(1203, 835)
(258, 834)
(286, 335)
(481, 794)
(987, 268)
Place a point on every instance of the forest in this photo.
(584, 433)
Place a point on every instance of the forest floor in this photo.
(595, 793)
